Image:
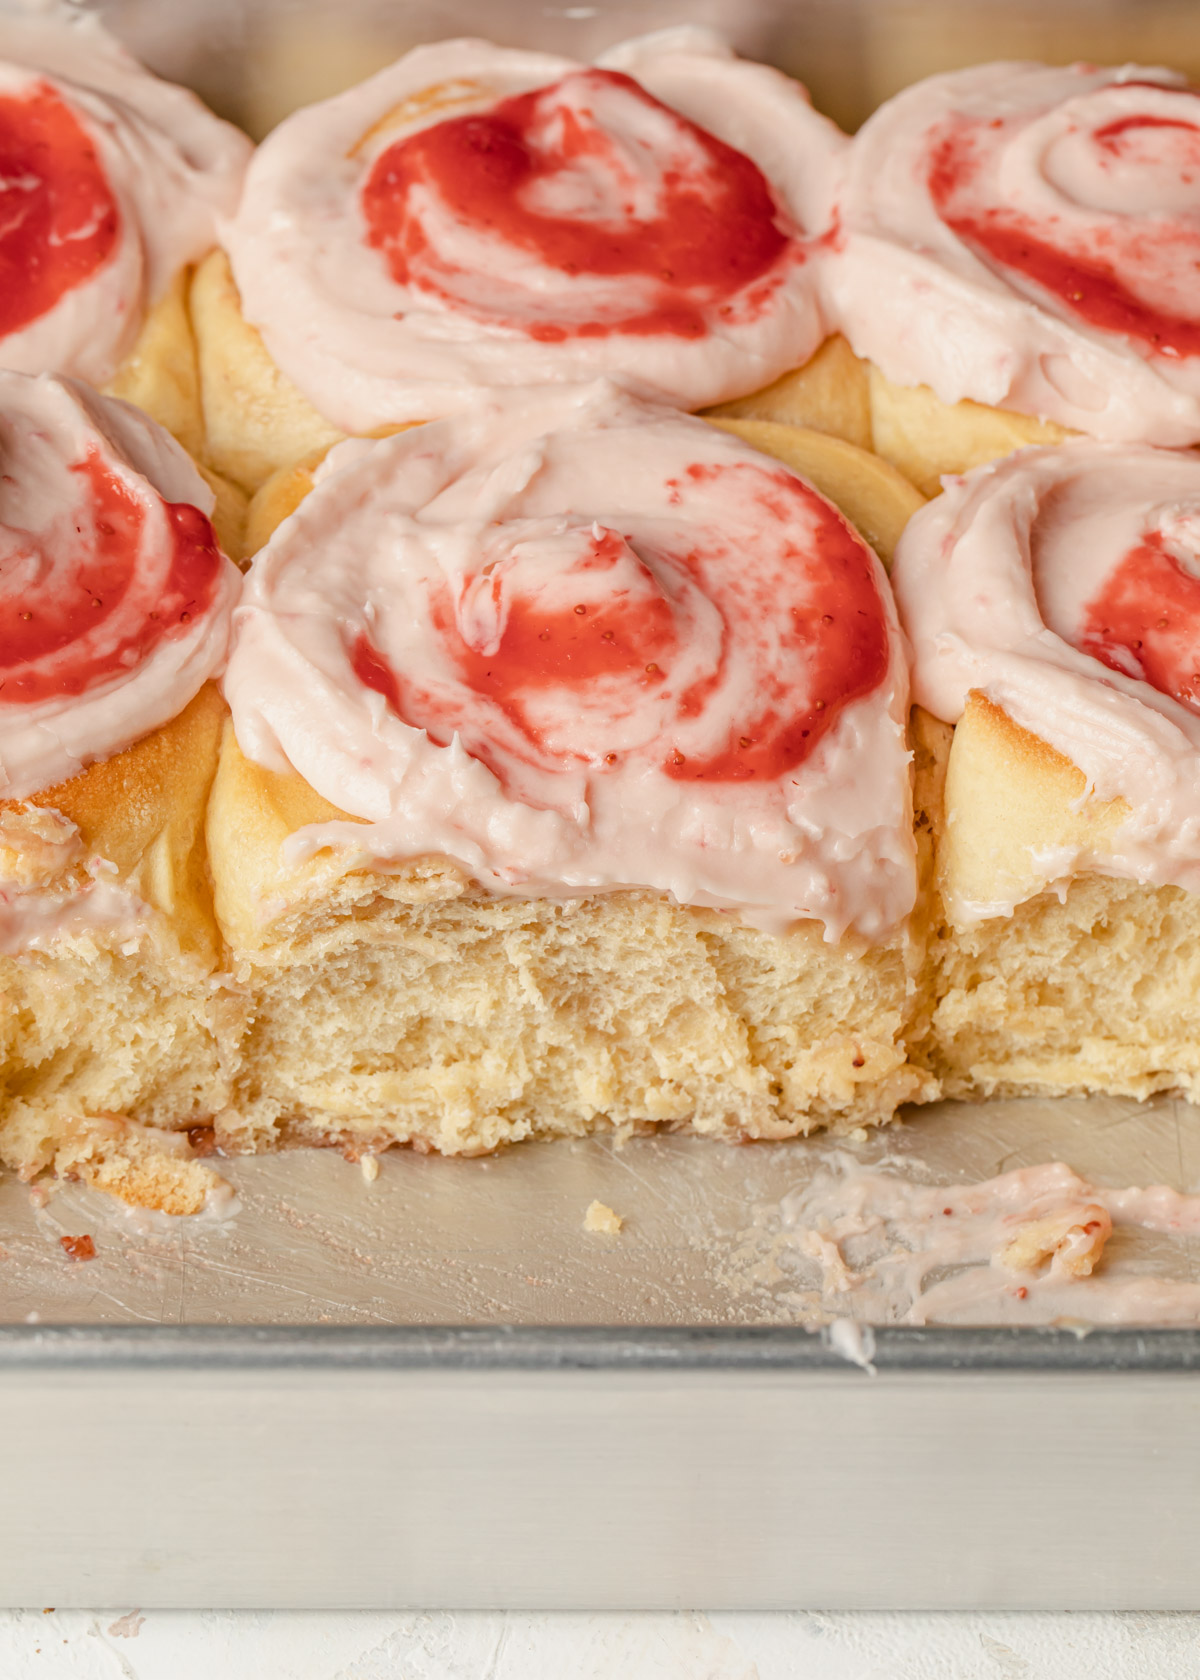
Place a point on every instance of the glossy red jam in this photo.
(101, 607)
(542, 174)
(1146, 622)
(59, 221)
(1093, 285)
(800, 633)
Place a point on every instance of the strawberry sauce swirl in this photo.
(110, 181)
(476, 217)
(689, 680)
(1064, 584)
(114, 598)
(1047, 222)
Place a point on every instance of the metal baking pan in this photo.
(437, 1389)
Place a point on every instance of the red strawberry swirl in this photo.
(475, 217)
(59, 221)
(1047, 221)
(586, 182)
(110, 182)
(666, 684)
(114, 597)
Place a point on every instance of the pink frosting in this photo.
(1029, 237)
(534, 640)
(387, 291)
(114, 606)
(165, 167)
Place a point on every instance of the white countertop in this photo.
(390, 1645)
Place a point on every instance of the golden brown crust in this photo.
(143, 810)
(159, 375)
(255, 419)
(1017, 813)
(280, 495)
(925, 438)
(830, 393)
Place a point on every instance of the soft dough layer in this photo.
(112, 1013)
(412, 1008)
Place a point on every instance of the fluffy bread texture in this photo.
(110, 1032)
(412, 1007)
(1091, 984)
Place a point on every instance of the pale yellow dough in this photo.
(1091, 983)
(413, 1007)
(98, 1031)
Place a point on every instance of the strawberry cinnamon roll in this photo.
(530, 764)
(115, 608)
(1053, 604)
(1039, 233)
(477, 218)
(111, 183)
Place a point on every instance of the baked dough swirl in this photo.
(580, 642)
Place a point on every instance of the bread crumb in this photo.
(1071, 1238)
(370, 1168)
(602, 1219)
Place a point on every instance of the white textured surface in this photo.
(386, 1645)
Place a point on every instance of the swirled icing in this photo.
(110, 181)
(115, 602)
(580, 642)
(476, 217)
(1039, 231)
(1064, 584)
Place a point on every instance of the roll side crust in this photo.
(160, 375)
(1013, 805)
(111, 1032)
(1091, 984)
(925, 438)
(830, 393)
(255, 420)
(414, 1008)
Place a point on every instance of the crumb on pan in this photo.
(78, 1248)
(1071, 1238)
(601, 1218)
